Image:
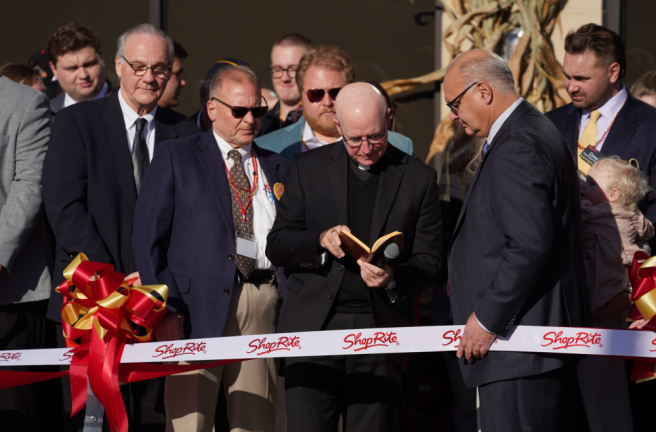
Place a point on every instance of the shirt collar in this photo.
(68, 100)
(611, 107)
(130, 115)
(308, 135)
(227, 148)
(501, 120)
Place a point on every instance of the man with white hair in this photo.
(515, 256)
(363, 185)
(98, 154)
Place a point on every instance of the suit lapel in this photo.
(338, 177)
(522, 109)
(622, 130)
(270, 169)
(214, 168)
(116, 142)
(570, 128)
(390, 181)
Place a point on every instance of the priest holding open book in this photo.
(339, 199)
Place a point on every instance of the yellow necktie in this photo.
(589, 138)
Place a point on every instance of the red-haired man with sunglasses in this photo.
(201, 223)
(321, 74)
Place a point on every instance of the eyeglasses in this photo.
(240, 112)
(277, 71)
(316, 95)
(160, 71)
(452, 105)
(373, 140)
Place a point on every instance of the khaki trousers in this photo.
(250, 386)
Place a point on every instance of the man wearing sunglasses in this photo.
(515, 255)
(321, 74)
(205, 209)
(98, 154)
(285, 56)
(363, 185)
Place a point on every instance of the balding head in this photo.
(481, 65)
(361, 112)
(478, 88)
(359, 101)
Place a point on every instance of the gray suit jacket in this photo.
(287, 141)
(24, 252)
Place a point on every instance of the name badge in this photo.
(246, 246)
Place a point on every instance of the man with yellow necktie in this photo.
(604, 115)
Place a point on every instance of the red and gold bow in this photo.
(643, 281)
(104, 312)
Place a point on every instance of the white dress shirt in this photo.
(68, 101)
(608, 112)
(264, 208)
(310, 140)
(130, 116)
(501, 120)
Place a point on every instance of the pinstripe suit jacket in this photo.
(515, 255)
(24, 252)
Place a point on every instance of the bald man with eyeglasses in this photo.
(365, 186)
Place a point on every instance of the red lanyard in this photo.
(235, 188)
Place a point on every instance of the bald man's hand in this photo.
(330, 241)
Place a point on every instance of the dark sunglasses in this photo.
(240, 112)
(317, 95)
(453, 105)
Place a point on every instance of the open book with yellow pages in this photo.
(359, 250)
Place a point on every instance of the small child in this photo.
(613, 230)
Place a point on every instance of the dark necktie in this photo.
(486, 147)
(245, 228)
(140, 160)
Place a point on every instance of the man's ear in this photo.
(53, 69)
(211, 110)
(117, 65)
(484, 91)
(614, 72)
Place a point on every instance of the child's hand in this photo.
(638, 324)
(613, 308)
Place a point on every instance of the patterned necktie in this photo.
(486, 147)
(140, 160)
(589, 138)
(245, 228)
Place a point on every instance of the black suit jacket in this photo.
(316, 199)
(633, 135)
(184, 233)
(515, 256)
(88, 184)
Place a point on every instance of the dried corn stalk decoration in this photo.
(483, 24)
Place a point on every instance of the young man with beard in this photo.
(285, 56)
(321, 74)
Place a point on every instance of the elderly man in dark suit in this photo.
(98, 154)
(364, 185)
(515, 256)
(202, 218)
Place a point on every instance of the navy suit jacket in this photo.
(287, 141)
(633, 135)
(184, 235)
(515, 255)
(88, 185)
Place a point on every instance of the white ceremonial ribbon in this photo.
(555, 340)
